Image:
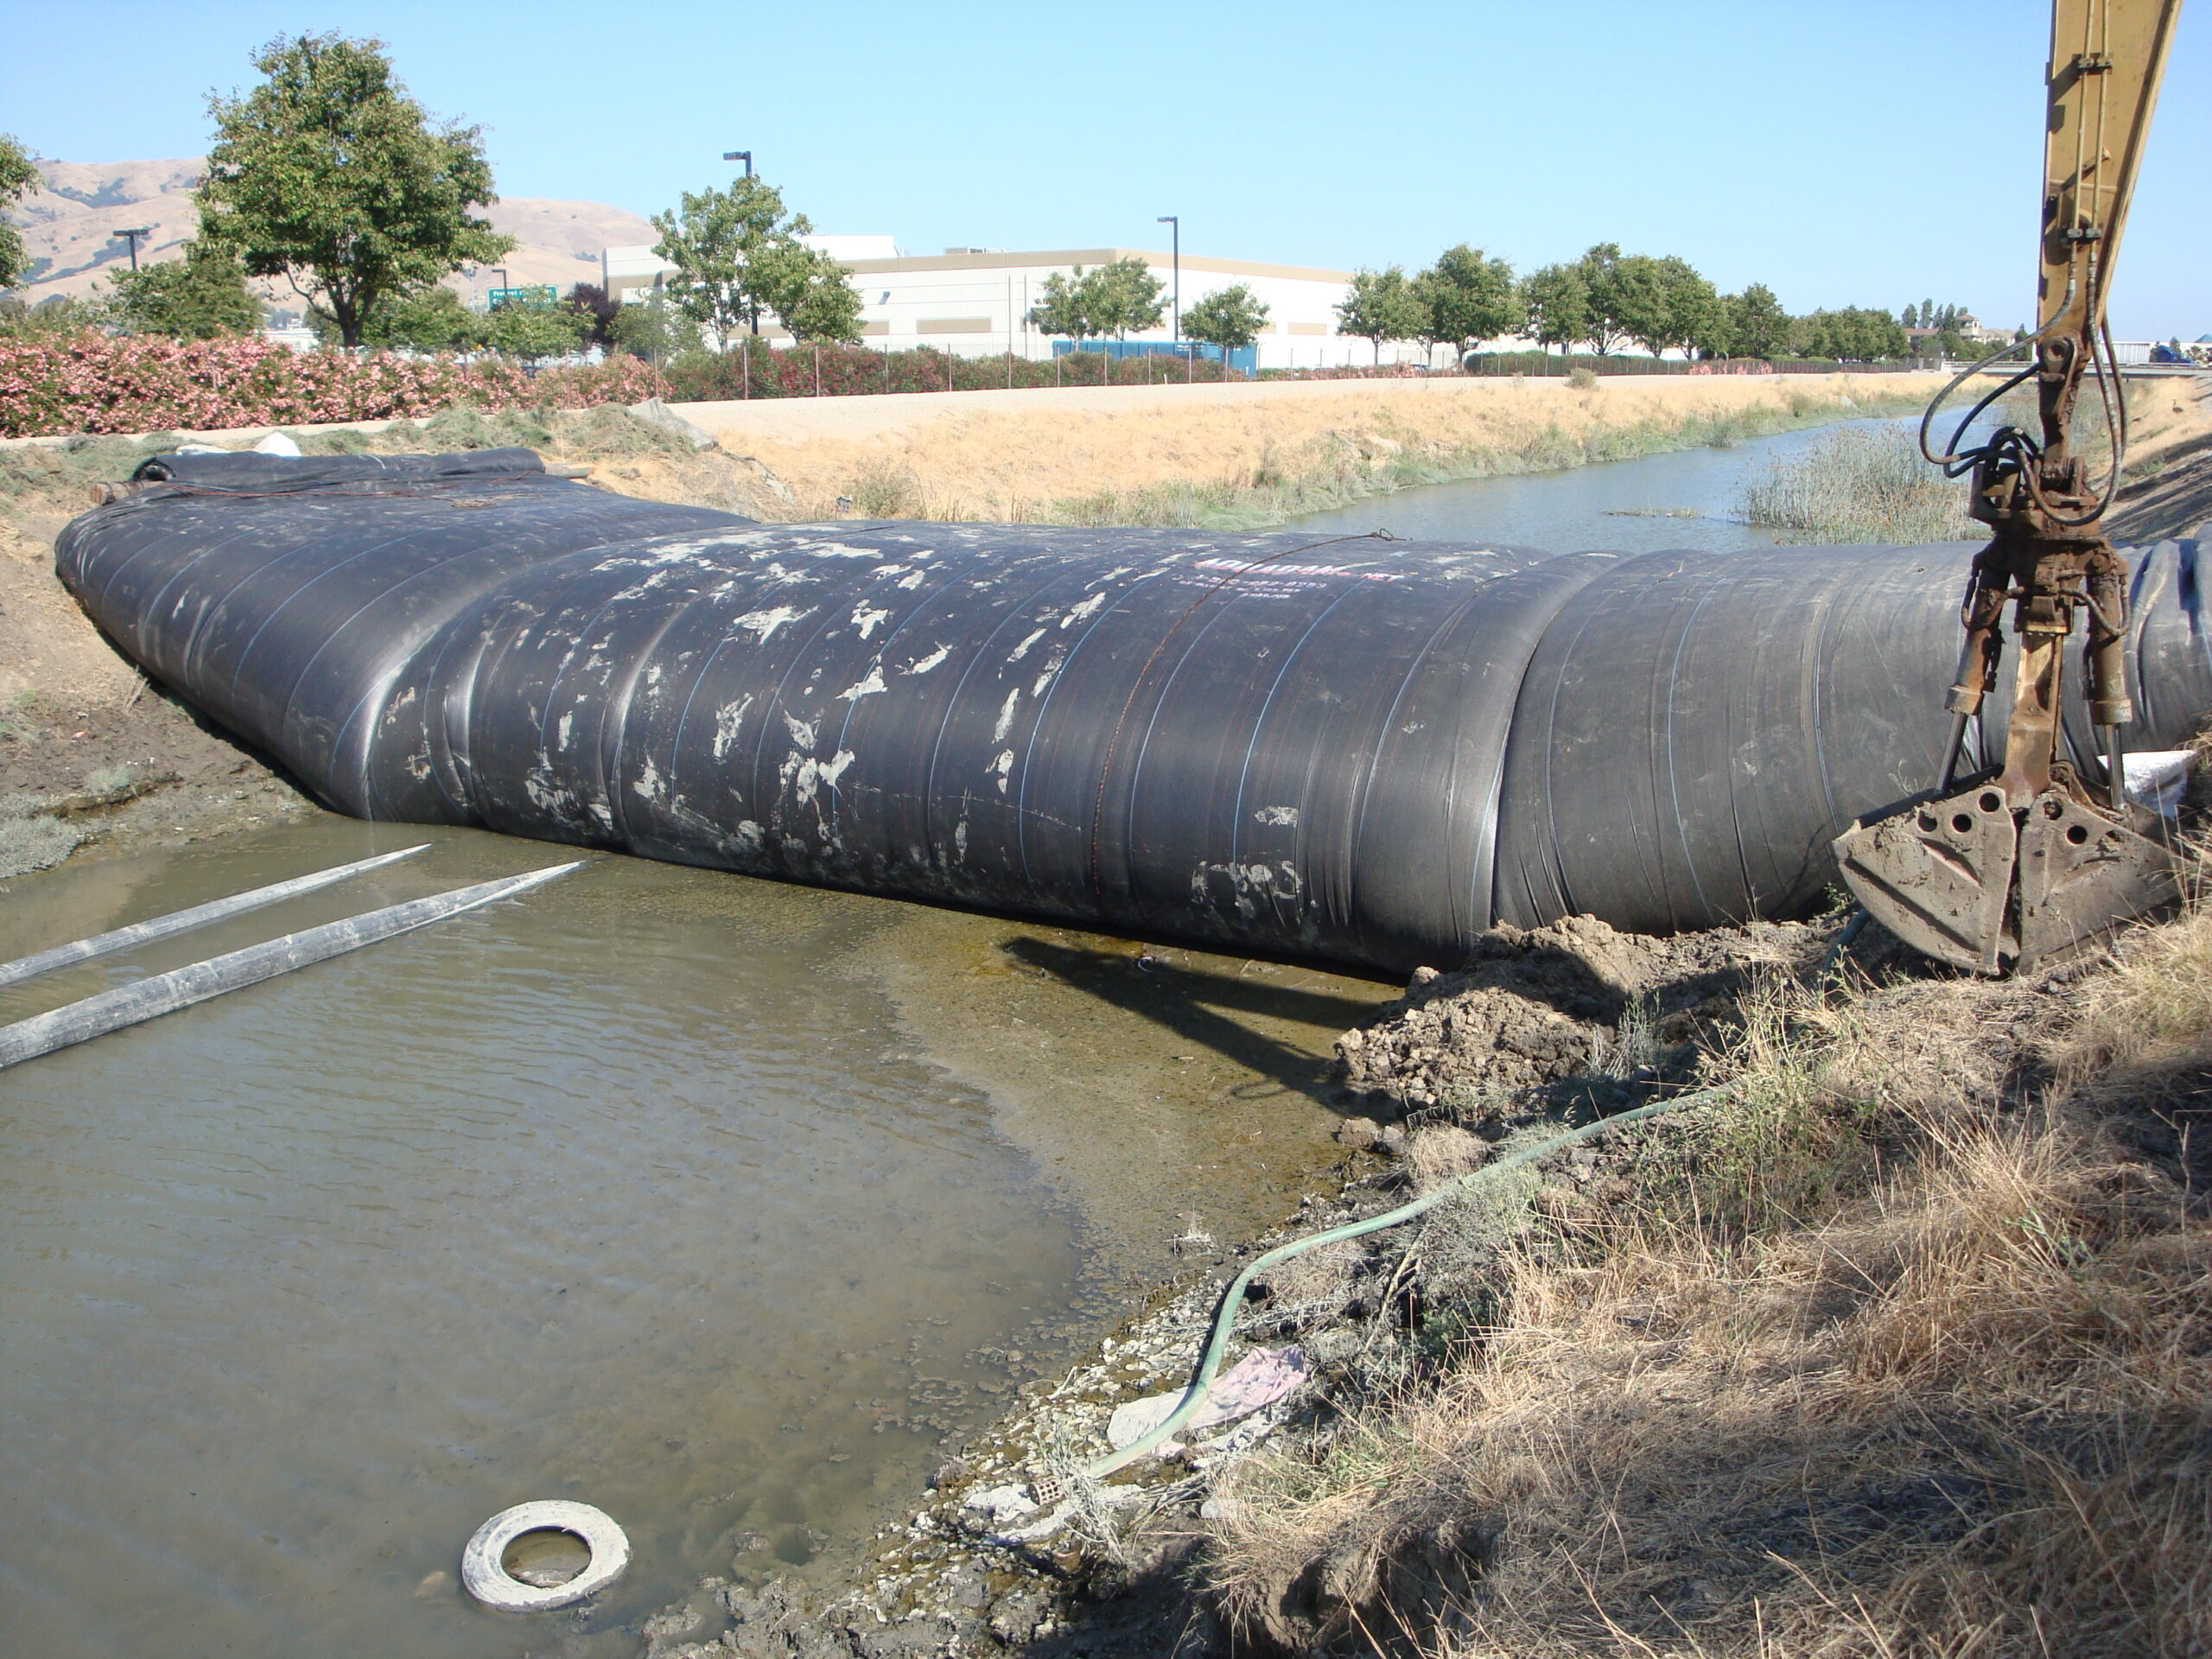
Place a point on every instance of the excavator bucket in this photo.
(1965, 880)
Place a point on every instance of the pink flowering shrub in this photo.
(92, 383)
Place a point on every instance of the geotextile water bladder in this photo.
(1348, 749)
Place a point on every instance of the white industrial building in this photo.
(976, 300)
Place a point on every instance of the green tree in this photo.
(1231, 318)
(1854, 335)
(656, 330)
(533, 333)
(1122, 296)
(434, 320)
(1467, 299)
(198, 298)
(1663, 304)
(1599, 271)
(18, 178)
(1758, 324)
(1631, 301)
(808, 292)
(1557, 302)
(1710, 331)
(1694, 320)
(728, 248)
(1381, 305)
(1061, 311)
(329, 175)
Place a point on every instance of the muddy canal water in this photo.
(717, 1204)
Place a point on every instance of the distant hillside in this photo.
(69, 228)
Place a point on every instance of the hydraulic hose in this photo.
(1224, 1319)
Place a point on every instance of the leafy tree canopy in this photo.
(1231, 318)
(434, 320)
(535, 331)
(1112, 299)
(197, 297)
(1382, 305)
(1758, 324)
(1557, 300)
(808, 292)
(1598, 269)
(731, 250)
(18, 178)
(1124, 296)
(1660, 303)
(57, 314)
(658, 330)
(330, 175)
(1061, 310)
(1468, 298)
(1693, 319)
(1854, 335)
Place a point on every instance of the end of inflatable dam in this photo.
(1346, 749)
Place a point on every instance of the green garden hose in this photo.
(1224, 1320)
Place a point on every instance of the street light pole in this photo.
(132, 238)
(1175, 221)
(745, 156)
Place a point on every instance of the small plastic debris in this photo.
(1261, 1378)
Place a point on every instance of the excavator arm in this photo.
(2041, 856)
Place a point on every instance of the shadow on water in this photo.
(1195, 1003)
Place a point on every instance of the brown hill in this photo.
(69, 228)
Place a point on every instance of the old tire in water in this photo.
(484, 1576)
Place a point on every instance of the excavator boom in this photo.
(2041, 857)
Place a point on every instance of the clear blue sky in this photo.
(1868, 152)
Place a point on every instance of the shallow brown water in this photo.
(712, 1202)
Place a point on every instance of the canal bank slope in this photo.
(1249, 455)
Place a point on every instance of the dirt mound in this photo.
(1533, 1005)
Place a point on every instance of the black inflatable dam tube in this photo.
(1346, 749)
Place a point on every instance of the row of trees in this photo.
(1605, 299)
(1127, 296)
(329, 177)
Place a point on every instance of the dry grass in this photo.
(1908, 1351)
(1245, 465)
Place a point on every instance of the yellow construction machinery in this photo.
(2036, 859)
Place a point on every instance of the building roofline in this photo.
(1087, 256)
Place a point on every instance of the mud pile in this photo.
(1535, 1006)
